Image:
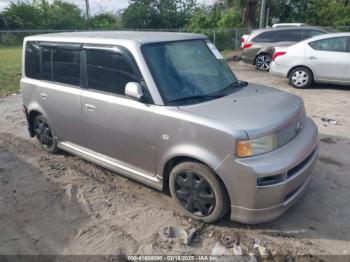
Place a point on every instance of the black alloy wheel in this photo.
(195, 193)
(198, 192)
(263, 62)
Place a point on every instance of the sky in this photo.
(98, 6)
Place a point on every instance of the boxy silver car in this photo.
(166, 110)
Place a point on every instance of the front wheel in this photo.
(197, 192)
(262, 62)
(301, 77)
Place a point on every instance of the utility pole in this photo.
(87, 13)
(262, 13)
(267, 17)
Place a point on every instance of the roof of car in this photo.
(142, 37)
(318, 37)
(291, 28)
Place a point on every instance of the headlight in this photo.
(256, 146)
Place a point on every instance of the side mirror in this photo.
(134, 90)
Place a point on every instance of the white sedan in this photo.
(321, 59)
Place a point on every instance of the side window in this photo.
(265, 37)
(108, 72)
(336, 44)
(46, 64)
(288, 35)
(66, 66)
(312, 33)
(32, 60)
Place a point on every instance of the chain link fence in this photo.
(224, 39)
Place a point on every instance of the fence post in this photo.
(214, 37)
(236, 39)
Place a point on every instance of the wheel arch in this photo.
(175, 160)
(294, 67)
(31, 115)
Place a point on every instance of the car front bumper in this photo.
(251, 203)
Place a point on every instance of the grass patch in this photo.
(10, 70)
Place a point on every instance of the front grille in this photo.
(287, 134)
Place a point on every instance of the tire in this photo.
(262, 62)
(44, 134)
(301, 77)
(197, 192)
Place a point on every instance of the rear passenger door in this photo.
(328, 58)
(290, 35)
(58, 89)
(116, 125)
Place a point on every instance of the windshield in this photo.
(189, 71)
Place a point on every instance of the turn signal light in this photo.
(244, 148)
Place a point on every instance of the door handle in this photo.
(43, 96)
(90, 107)
(312, 57)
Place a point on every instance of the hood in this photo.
(256, 109)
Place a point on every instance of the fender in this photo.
(265, 50)
(188, 150)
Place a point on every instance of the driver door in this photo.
(114, 124)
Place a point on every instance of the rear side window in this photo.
(32, 60)
(312, 33)
(109, 72)
(336, 44)
(66, 66)
(288, 36)
(265, 37)
(52, 63)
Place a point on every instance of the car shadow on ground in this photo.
(330, 86)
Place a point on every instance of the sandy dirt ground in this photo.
(61, 204)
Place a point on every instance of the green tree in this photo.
(230, 19)
(313, 12)
(22, 16)
(104, 21)
(157, 14)
(42, 15)
(61, 15)
(204, 18)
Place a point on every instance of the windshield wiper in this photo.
(232, 86)
(195, 97)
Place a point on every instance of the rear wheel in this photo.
(45, 134)
(301, 77)
(196, 190)
(262, 62)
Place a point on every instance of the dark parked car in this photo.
(260, 46)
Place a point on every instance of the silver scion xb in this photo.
(166, 110)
